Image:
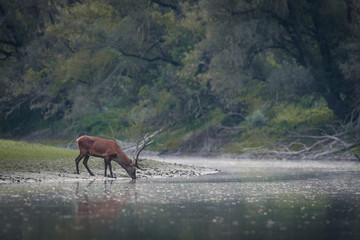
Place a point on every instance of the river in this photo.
(248, 199)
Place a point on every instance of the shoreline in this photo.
(152, 169)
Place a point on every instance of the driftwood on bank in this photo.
(335, 145)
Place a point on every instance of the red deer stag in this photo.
(109, 150)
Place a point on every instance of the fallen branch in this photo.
(337, 144)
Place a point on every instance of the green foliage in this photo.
(215, 116)
(291, 116)
(112, 122)
(21, 121)
(175, 138)
(201, 69)
(289, 81)
(256, 119)
(253, 138)
(269, 123)
(21, 151)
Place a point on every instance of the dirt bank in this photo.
(45, 172)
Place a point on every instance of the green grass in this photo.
(22, 156)
(12, 150)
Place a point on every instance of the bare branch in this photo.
(144, 142)
(144, 58)
(337, 142)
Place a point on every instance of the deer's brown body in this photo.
(109, 150)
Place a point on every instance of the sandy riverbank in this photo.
(56, 172)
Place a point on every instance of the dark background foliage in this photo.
(216, 75)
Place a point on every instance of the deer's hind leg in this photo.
(86, 166)
(77, 160)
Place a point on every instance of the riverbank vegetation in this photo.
(218, 76)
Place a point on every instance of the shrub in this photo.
(257, 119)
(291, 115)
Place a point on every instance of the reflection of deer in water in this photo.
(102, 211)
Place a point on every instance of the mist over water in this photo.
(251, 199)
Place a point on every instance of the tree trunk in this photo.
(336, 104)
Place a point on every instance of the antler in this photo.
(145, 141)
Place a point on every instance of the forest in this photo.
(259, 77)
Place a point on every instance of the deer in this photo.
(109, 150)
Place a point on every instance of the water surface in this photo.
(246, 200)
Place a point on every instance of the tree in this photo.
(21, 21)
(307, 32)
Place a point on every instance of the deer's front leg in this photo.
(106, 165)
(111, 173)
